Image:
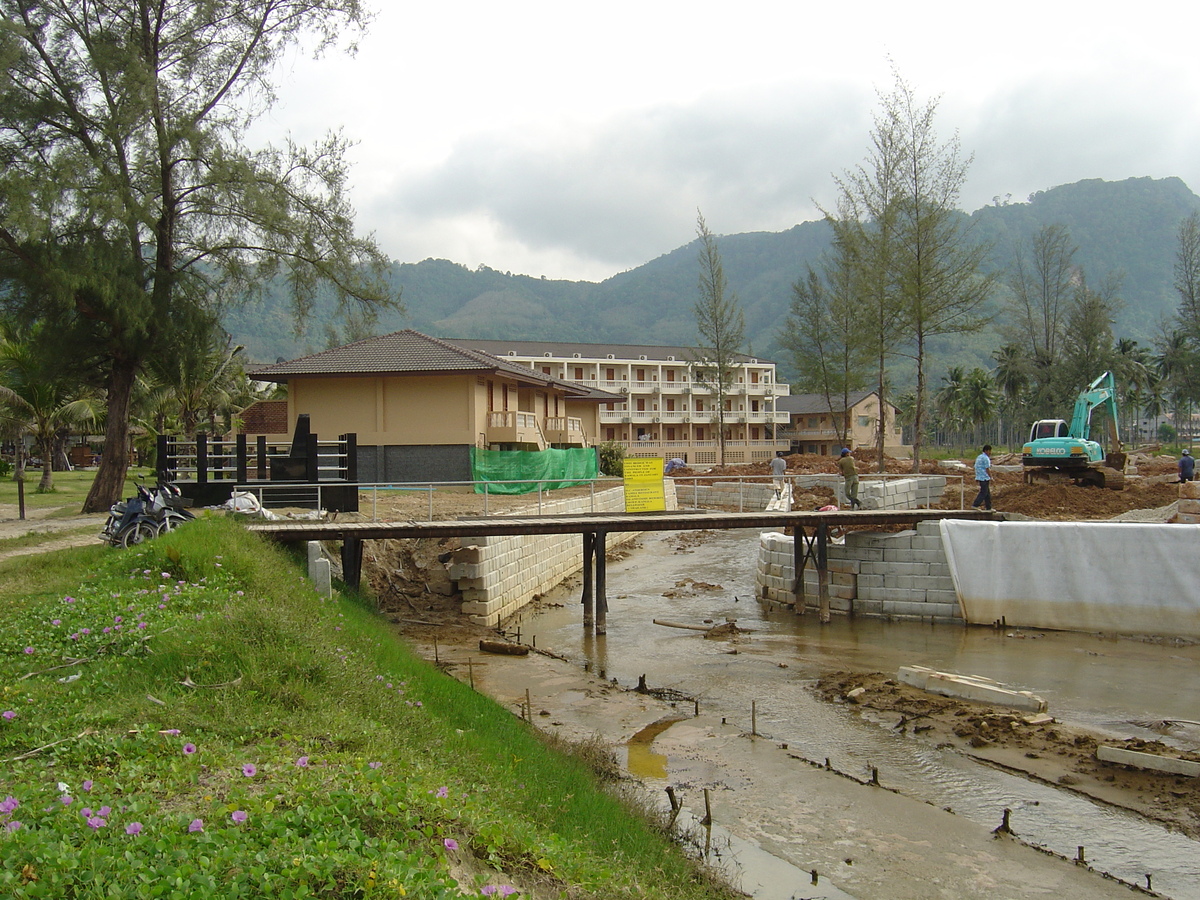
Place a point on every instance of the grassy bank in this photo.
(70, 490)
(189, 720)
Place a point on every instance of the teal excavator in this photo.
(1057, 451)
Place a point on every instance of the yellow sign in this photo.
(644, 485)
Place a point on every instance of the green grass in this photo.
(232, 734)
(70, 489)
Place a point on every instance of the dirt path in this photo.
(47, 522)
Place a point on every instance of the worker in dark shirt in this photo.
(1187, 466)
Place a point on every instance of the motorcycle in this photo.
(145, 515)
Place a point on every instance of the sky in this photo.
(578, 140)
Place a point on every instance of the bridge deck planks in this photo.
(590, 524)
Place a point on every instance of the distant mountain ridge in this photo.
(1128, 226)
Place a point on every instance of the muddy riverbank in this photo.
(781, 796)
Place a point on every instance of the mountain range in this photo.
(1126, 227)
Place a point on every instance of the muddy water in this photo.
(1117, 686)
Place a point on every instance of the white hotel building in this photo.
(667, 412)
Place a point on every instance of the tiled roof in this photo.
(811, 404)
(409, 352)
(588, 351)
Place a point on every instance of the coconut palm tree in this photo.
(38, 397)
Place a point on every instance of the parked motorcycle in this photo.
(145, 515)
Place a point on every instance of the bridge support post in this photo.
(823, 572)
(601, 578)
(589, 552)
(799, 557)
(352, 553)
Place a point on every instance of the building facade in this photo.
(664, 410)
(813, 428)
(418, 405)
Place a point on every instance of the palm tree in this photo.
(948, 400)
(38, 398)
(1011, 375)
(978, 401)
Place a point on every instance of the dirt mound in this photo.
(1066, 502)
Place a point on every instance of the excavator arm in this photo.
(1101, 393)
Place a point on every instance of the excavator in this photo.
(1058, 452)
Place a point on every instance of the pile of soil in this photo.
(1048, 751)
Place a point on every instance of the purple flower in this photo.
(133, 828)
(68, 599)
(238, 816)
(169, 731)
(9, 714)
(249, 770)
(56, 621)
(85, 631)
(104, 812)
(302, 762)
(66, 799)
(189, 749)
(117, 619)
(451, 844)
(8, 804)
(375, 765)
(29, 650)
(197, 825)
(87, 785)
(141, 624)
(86, 812)
(13, 825)
(443, 791)
(95, 822)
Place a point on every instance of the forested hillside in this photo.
(1127, 227)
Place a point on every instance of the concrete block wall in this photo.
(499, 575)
(880, 493)
(902, 575)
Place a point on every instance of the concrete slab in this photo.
(970, 687)
(1170, 764)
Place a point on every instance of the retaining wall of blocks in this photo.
(499, 575)
(873, 493)
(900, 576)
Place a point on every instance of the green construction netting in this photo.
(554, 468)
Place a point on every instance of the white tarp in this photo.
(1077, 576)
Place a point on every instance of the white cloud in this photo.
(576, 141)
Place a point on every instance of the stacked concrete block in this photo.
(499, 575)
(891, 493)
(1189, 504)
(900, 493)
(901, 575)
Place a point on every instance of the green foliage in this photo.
(191, 719)
(1167, 433)
(612, 458)
(135, 208)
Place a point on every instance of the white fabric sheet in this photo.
(1078, 576)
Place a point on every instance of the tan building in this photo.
(813, 427)
(662, 408)
(418, 405)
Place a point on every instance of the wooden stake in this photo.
(528, 706)
(471, 672)
(435, 652)
(754, 718)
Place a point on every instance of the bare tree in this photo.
(1043, 282)
(937, 264)
(721, 327)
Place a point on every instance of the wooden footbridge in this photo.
(812, 531)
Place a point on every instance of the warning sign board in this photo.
(644, 485)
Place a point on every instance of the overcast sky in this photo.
(577, 140)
